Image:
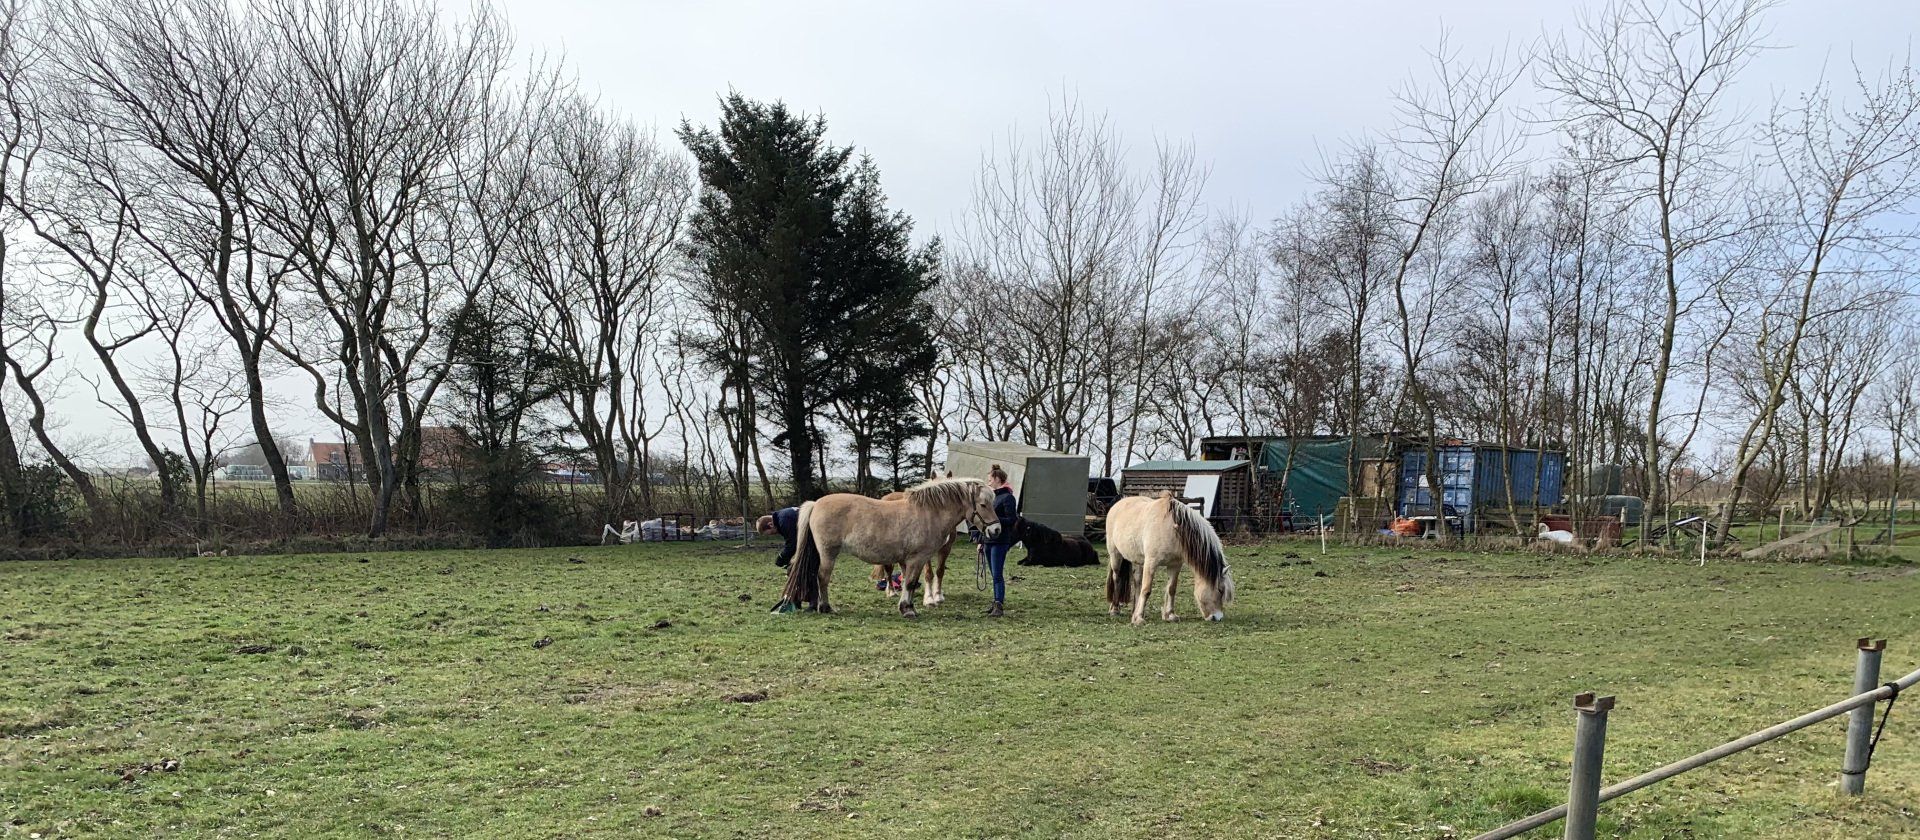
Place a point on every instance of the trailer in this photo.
(1051, 486)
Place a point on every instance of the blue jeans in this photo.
(997, 563)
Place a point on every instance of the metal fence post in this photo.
(1589, 745)
(1866, 677)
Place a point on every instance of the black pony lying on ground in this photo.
(1047, 547)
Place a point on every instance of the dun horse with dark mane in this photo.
(905, 531)
(1144, 534)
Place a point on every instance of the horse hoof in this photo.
(907, 612)
(1139, 621)
(1169, 617)
(824, 608)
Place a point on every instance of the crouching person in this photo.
(786, 523)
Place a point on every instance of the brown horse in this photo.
(1144, 534)
(908, 531)
(935, 575)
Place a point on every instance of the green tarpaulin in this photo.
(1314, 470)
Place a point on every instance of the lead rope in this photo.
(980, 575)
(1893, 687)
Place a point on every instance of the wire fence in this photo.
(1696, 532)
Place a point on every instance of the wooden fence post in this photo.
(1866, 677)
(1589, 747)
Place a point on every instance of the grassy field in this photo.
(524, 694)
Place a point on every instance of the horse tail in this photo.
(1202, 548)
(803, 575)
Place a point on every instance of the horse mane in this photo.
(1202, 547)
(943, 493)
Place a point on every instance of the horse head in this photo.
(982, 517)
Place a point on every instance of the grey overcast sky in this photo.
(1261, 89)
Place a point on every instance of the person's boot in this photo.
(997, 610)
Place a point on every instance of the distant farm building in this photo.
(334, 461)
(244, 472)
(443, 451)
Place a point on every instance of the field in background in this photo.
(599, 692)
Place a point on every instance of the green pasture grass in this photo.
(617, 692)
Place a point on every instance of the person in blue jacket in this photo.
(1007, 509)
(786, 523)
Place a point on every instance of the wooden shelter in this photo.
(1225, 488)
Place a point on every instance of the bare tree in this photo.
(373, 105)
(178, 85)
(1159, 257)
(1844, 171)
(20, 129)
(1448, 147)
(1657, 71)
(595, 258)
(1049, 281)
(83, 208)
(1898, 406)
(1841, 361)
(1342, 244)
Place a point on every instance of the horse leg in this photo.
(1142, 590)
(1203, 591)
(909, 581)
(1173, 583)
(827, 556)
(937, 575)
(1117, 566)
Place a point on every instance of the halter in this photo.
(977, 521)
(980, 575)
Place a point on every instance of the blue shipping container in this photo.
(1474, 477)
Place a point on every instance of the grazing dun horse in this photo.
(905, 532)
(1144, 534)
